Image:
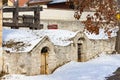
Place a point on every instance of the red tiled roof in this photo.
(21, 2)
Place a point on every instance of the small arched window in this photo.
(44, 50)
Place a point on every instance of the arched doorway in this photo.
(44, 60)
(80, 49)
(79, 52)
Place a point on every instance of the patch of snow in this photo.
(95, 69)
(102, 34)
(33, 37)
(85, 14)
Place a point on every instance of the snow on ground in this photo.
(32, 37)
(96, 69)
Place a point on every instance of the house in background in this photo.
(21, 2)
(60, 4)
(38, 2)
(10, 2)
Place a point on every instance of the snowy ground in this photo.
(96, 69)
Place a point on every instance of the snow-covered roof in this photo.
(29, 38)
(57, 1)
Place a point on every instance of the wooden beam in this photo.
(36, 23)
(31, 26)
(30, 9)
(8, 9)
(13, 24)
(21, 9)
(37, 16)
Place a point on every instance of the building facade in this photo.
(45, 57)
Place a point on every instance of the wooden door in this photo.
(44, 63)
(79, 52)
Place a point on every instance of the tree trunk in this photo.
(1, 57)
(117, 47)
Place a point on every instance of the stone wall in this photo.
(36, 57)
(95, 47)
(65, 25)
(65, 54)
(92, 48)
(29, 63)
(16, 63)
